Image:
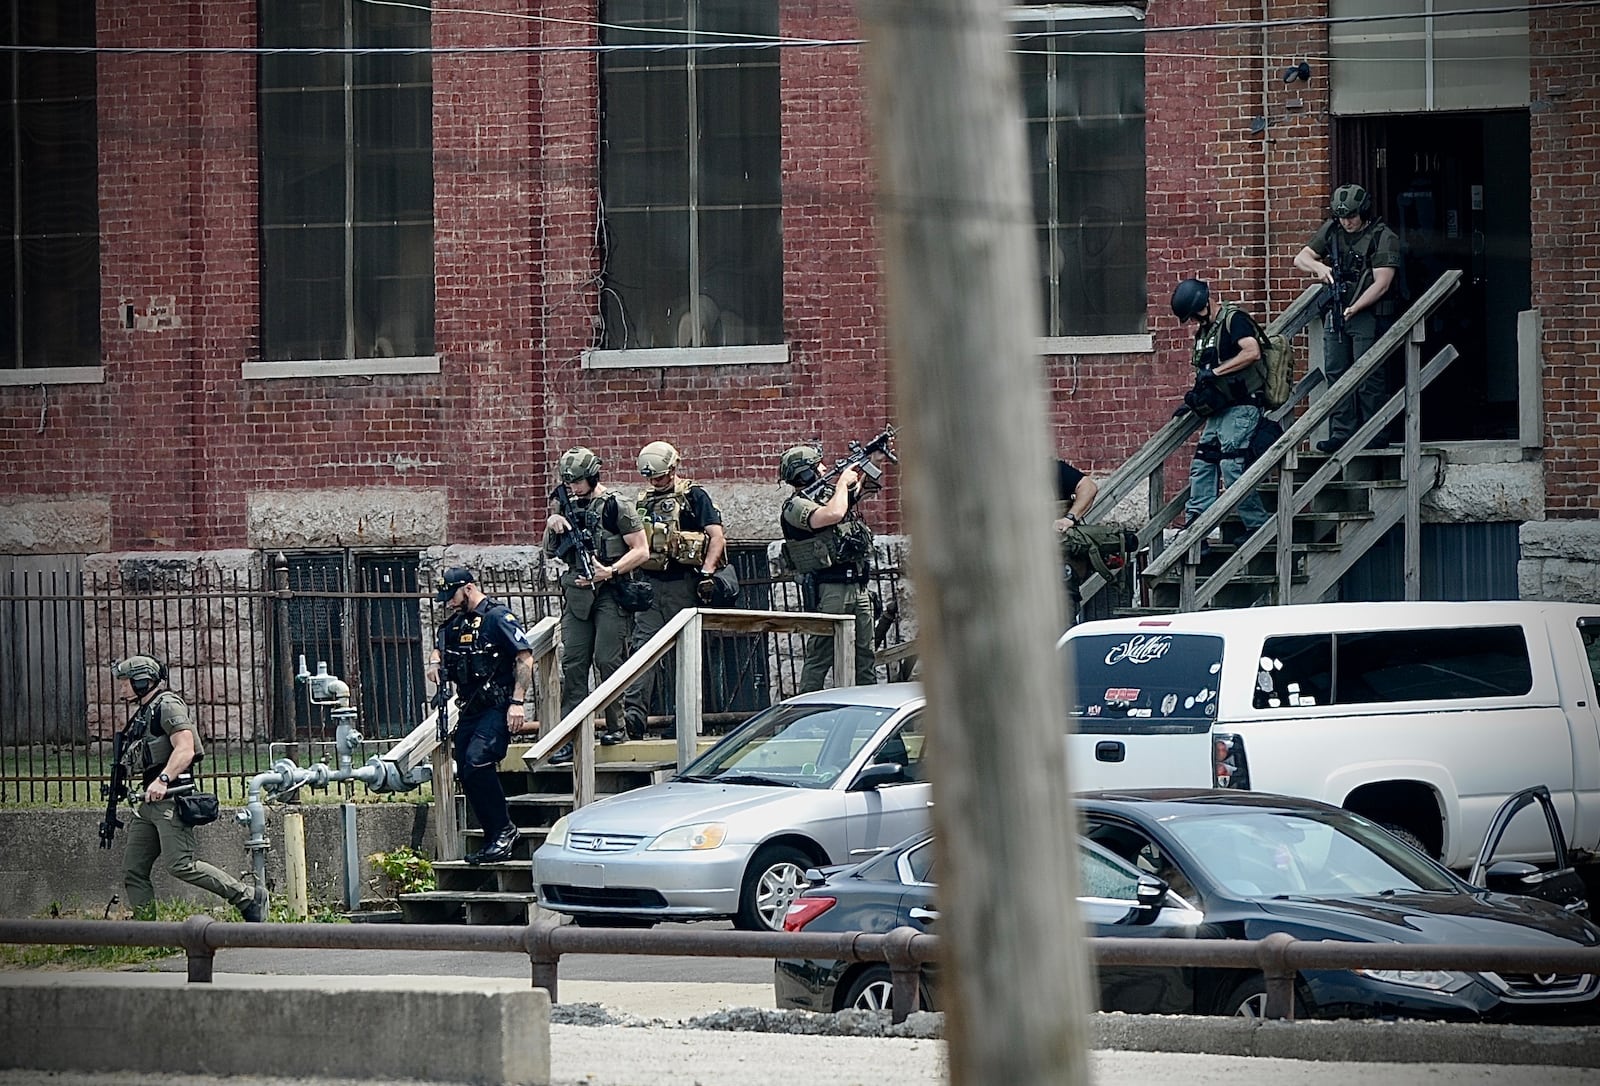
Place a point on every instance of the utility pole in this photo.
(964, 321)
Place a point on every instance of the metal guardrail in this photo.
(1279, 957)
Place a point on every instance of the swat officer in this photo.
(160, 746)
(594, 624)
(826, 539)
(1358, 257)
(687, 544)
(1229, 391)
(483, 649)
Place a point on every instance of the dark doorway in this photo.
(1455, 186)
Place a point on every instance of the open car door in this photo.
(1561, 884)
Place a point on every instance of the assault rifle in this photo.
(115, 792)
(441, 706)
(1333, 302)
(859, 457)
(577, 542)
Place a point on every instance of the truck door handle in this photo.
(1109, 750)
(924, 914)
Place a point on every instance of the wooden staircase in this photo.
(502, 893)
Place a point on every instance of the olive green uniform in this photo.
(843, 552)
(154, 831)
(594, 627)
(1375, 245)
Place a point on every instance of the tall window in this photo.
(1084, 104)
(346, 182)
(690, 175)
(49, 198)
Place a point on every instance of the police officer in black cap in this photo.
(483, 649)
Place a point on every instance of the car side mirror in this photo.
(870, 778)
(1509, 876)
(1151, 894)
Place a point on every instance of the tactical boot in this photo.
(562, 756)
(254, 911)
(500, 848)
(612, 736)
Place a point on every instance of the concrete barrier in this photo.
(467, 1029)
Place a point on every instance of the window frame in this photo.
(346, 360)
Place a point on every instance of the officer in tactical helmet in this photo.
(160, 747)
(1229, 393)
(1358, 257)
(594, 624)
(825, 538)
(485, 652)
(687, 546)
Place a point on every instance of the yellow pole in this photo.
(294, 859)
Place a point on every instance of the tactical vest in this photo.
(600, 519)
(1351, 260)
(470, 658)
(1244, 386)
(841, 551)
(147, 743)
(670, 544)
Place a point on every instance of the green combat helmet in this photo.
(1351, 200)
(657, 458)
(798, 465)
(142, 672)
(580, 463)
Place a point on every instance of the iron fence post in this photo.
(282, 726)
(202, 957)
(1273, 952)
(539, 939)
(904, 972)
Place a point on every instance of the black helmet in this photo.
(1351, 200)
(1190, 299)
(142, 672)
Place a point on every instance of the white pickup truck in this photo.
(1424, 717)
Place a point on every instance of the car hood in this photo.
(645, 812)
(1473, 919)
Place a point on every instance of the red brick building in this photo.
(264, 298)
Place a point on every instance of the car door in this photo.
(893, 809)
(1559, 884)
(1108, 905)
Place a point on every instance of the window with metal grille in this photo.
(49, 192)
(346, 182)
(691, 175)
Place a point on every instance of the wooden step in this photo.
(457, 907)
(503, 876)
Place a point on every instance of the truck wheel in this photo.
(1408, 837)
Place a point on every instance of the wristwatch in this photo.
(1072, 517)
(164, 779)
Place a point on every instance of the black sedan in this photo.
(896, 888)
(1255, 864)
(1251, 864)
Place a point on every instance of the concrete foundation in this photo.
(477, 1030)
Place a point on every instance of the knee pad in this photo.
(1209, 451)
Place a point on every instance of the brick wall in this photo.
(175, 440)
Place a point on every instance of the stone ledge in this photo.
(479, 1030)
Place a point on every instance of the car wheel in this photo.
(873, 990)
(773, 880)
(1407, 836)
(1249, 1000)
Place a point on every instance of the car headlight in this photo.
(1436, 980)
(694, 838)
(557, 834)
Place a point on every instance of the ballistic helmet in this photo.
(1351, 200)
(142, 672)
(580, 463)
(657, 458)
(796, 462)
(450, 581)
(1190, 299)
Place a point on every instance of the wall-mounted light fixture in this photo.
(1296, 72)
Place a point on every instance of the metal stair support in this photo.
(1283, 457)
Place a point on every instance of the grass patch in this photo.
(70, 956)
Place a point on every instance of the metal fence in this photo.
(234, 627)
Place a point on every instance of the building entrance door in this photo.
(1455, 187)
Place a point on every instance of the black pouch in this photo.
(724, 587)
(635, 594)
(196, 808)
(1266, 434)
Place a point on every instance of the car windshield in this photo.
(801, 746)
(1264, 854)
(1145, 682)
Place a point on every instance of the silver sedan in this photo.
(824, 778)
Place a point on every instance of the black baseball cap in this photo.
(450, 581)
